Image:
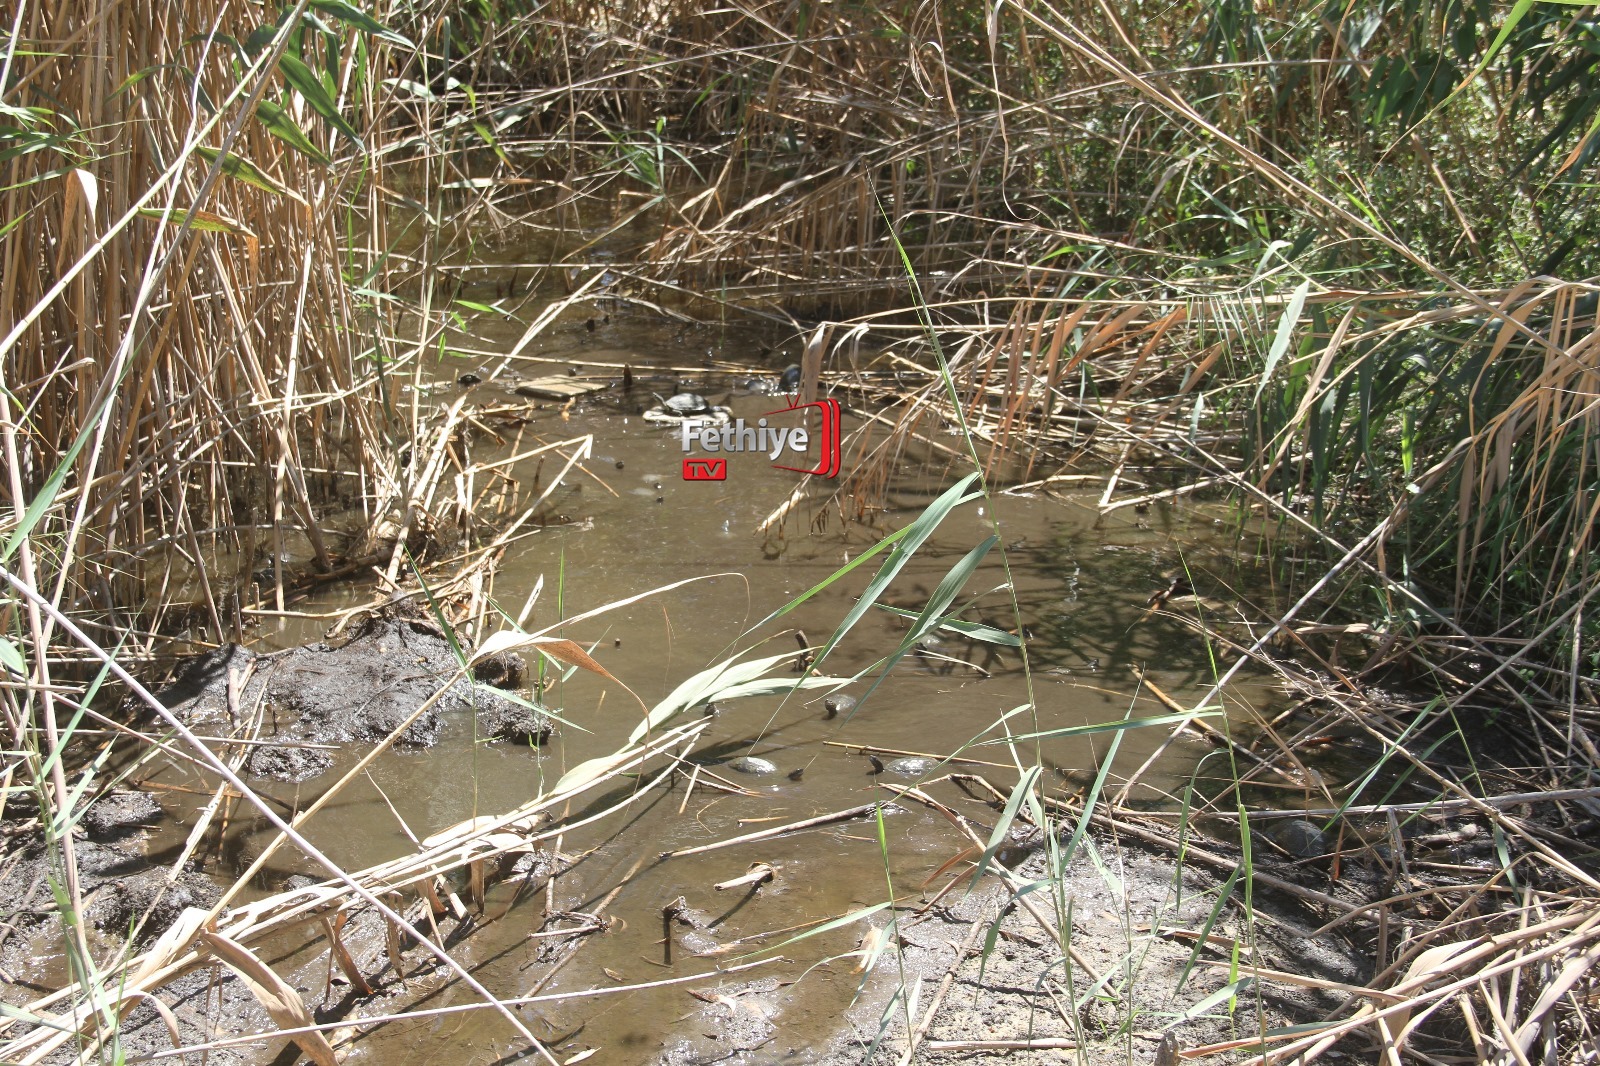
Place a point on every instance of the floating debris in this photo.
(557, 387)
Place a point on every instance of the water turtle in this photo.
(789, 380)
(1300, 838)
(910, 766)
(685, 404)
(750, 764)
(837, 705)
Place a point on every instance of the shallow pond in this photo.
(628, 522)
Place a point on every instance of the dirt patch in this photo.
(1010, 993)
(737, 1024)
(360, 690)
(124, 894)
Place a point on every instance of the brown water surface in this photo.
(629, 523)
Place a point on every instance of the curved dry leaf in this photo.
(167, 1017)
(558, 648)
(206, 221)
(341, 954)
(280, 1000)
(592, 770)
(171, 944)
(82, 194)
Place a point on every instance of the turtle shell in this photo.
(686, 403)
(751, 764)
(911, 766)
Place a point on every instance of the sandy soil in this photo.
(1136, 924)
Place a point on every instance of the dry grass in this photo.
(1084, 242)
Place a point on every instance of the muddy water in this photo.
(630, 523)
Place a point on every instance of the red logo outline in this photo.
(829, 445)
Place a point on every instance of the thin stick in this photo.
(945, 984)
(775, 831)
(864, 748)
(1402, 808)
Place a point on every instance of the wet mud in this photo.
(628, 521)
(396, 668)
(125, 893)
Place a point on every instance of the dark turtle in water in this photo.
(910, 766)
(789, 380)
(685, 404)
(1299, 838)
(837, 705)
(750, 764)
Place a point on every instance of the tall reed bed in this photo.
(191, 261)
(193, 373)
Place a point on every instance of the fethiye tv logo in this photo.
(775, 441)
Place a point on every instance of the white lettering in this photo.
(775, 437)
(799, 438)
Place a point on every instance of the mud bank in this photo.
(1151, 959)
(398, 670)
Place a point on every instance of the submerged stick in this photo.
(865, 748)
(779, 830)
(759, 872)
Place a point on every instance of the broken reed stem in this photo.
(779, 830)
